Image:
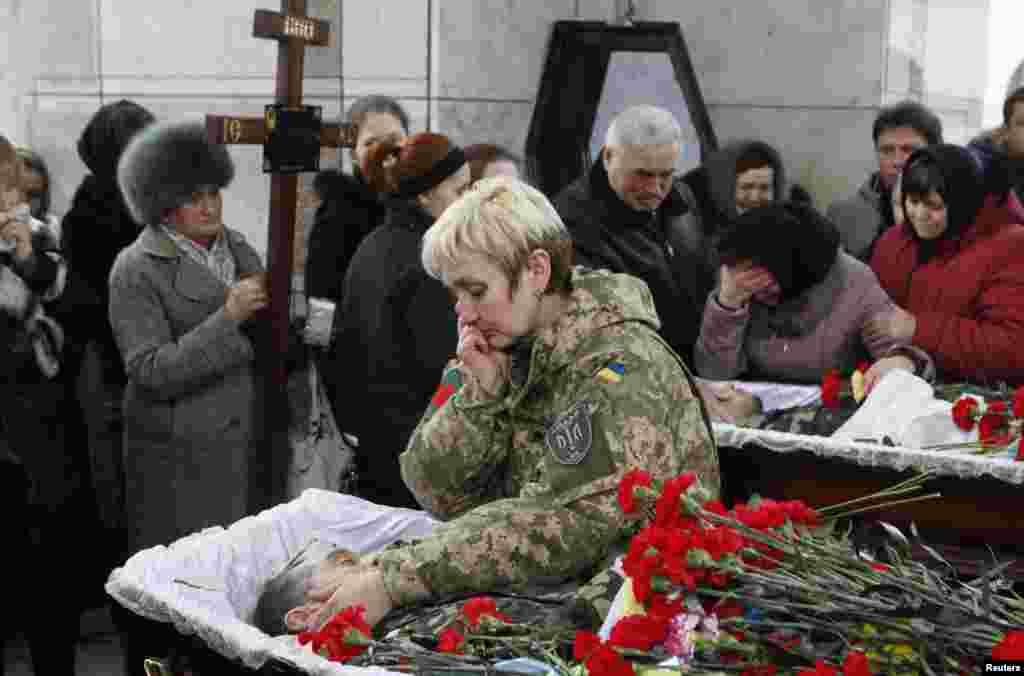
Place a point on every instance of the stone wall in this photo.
(806, 75)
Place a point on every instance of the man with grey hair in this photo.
(629, 214)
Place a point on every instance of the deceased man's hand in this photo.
(727, 403)
(359, 585)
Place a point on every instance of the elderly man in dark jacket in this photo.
(629, 214)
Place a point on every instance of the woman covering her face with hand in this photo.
(181, 299)
(560, 386)
(791, 305)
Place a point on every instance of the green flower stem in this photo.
(910, 484)
(872, 508)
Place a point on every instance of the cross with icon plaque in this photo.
(291, 135)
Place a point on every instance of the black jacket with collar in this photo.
(397, 331)
(349, 210)
(664, 248)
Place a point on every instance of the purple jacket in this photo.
(802, 338)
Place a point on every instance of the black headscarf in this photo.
(953, 173)
(107, 133)
(791, 240)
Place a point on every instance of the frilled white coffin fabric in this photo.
(903, 407)
(208, 583)
(946, 463)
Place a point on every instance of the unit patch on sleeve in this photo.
(570, 437)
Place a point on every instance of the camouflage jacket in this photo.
(528, 481)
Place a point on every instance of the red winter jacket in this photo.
(968, 298)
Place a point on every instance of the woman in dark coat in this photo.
(93, 232)
(181, 297)
(350, 208)
(398, 325)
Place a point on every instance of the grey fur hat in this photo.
(165, 164)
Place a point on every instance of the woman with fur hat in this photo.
(398, 328)
(791, 305)
(955, 269)
(181, 298)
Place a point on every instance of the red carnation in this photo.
(667, 507)
(1010, 648)
(992, 430)
(585, 645)
(632, 479)
(443, 393)
(821, 668)
(479, 607)
(996, 407)
(856, 664)
(963, 413)
(830, 386)
(606, 661)
(451, 641)
(342, 638)
(1020, 451)
(639, 632)
(1018, 402)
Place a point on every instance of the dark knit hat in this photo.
(165, 164)
(792, 240)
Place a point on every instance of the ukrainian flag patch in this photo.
(612, 373)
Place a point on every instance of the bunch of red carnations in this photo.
(998, 420)
(769, 587)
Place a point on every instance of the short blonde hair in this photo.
(504, 220)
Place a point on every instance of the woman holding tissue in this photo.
(182, 298)
(790, 305)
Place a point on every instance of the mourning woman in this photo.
(544, 349)
(350, 208)
(182, 297)
(397, 325)
(96, 228)
(791, 305)
(956, 270)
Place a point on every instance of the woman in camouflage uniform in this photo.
(560, 386)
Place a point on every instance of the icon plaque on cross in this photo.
(290, 134)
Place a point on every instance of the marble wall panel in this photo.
(828, 151)
(53, 128)
(190, 37)
(495, 49)
(385, 39)
(787, 52)
(44, 38)
(468, 122)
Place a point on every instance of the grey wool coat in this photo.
(190, 403)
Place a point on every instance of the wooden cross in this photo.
(294, 31)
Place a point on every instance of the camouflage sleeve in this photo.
(634, 413)
(646, 414)
(507, 543)
(455, 456)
